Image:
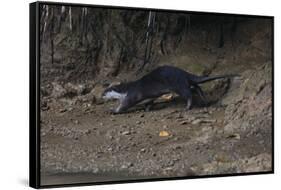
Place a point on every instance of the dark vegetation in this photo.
(81, 43)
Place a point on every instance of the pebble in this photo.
(191, 118)
(126, 133)
(127, 165)
(234, 136)
(210, 120)
(178, 147)
(88, 131)
(138, 122)
(142, 150)
(62, 110)
(183, 122)
(179, 116)
(45, 108)
(87, 110)
(196, 121)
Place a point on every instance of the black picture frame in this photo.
(34, 95)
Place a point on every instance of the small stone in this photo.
(110, 137)
(196, 121)
(178, 147)
(183, 122)
(142, 150)
(209, 120)
(45, 108)
(70, 109)
(95, 170)
(86, 110)
(191, 118)
(138, 122)
(234, 136)
(62, 110)
(142, 115)
(126, 133)
(168, 168)
(76, 121)
(88, 131)
(127, 165)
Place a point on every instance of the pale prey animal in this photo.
(162, 80)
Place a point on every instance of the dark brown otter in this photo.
(162, 80)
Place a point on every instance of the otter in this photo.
(160, 81)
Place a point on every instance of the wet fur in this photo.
(160, 81)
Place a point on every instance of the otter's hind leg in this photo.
(189, 103)
(148, 105)
(186, 94)
(201, 94)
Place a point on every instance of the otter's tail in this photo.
(199, 80)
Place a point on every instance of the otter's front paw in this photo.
(187, 108)
(148, 108)
(113, 111)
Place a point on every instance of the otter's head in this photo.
(114, 92)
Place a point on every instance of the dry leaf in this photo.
(163, 134)
(167, 97)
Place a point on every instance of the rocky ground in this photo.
(79, 137)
